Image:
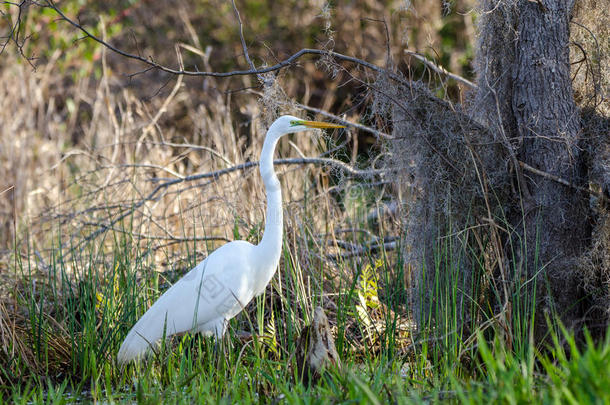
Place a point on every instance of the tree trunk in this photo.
(542, 127)
(557, 230)
(486, 181)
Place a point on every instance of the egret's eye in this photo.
(295, 123)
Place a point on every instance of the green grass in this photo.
(80, 308)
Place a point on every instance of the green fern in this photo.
(367, 292)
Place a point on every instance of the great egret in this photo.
(220, 286)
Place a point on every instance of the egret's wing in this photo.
(172, 313)
(202, 296)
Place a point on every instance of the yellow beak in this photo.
(320, 124)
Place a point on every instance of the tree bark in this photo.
(555, 228)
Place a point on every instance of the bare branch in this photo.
(337, 164)
(7, 189)
(387, 35)
(172, 238)
(181, 71)
(340, 120)
(193, 147)
(440, 70)
(563, 181)
(166, 183)
(13, 34)
(243, 40)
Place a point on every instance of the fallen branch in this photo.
(387, 244)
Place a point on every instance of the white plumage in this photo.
(221, 286)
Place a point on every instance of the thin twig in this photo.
(563, 181)
(361, 127)
(7, 189)
(440, 70)
(378, 134)
(13, 34)
(148, 129)
(243, 40)
(194, 147)
(142, 166)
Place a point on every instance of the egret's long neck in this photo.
(271, 244)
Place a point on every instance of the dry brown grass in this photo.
(124, 151)
(67, 127)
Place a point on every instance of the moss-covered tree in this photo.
(510, 208)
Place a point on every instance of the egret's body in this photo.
(221, 286)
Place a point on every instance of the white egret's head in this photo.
(288, 124)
